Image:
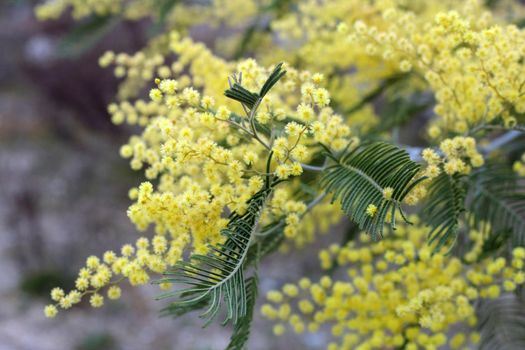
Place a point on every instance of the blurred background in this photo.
(63, 196)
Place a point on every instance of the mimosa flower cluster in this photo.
(459, 156)
(472, 65)
(519, 166)
(471, 62)
(206, 160)
(394, 293)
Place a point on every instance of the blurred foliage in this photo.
(98, 341)
(38, 283)
(84, 36)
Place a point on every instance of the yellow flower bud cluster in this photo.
(301, 223)
(53, 9)
(206, 158)
(137, 69)
(319, 219)
(395, 292)
(129, 9)
(385, 38)
(470, 63)
(341, 35)
(457, 155)
(519, 166)
(135, 263)
(184, 127)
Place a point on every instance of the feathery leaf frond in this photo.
(494, 244)
(241, 332)
(270, 239)
(360, 177)
(502, 323)
(179, 309)
(218, 276)
(274, 77)
(443, 209)
(238, 93)
(242, 95)
(498, 202)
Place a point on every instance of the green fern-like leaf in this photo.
(502, 323)
(359, 178)
(444, 207)
(494, 244)
(266, 244)
(238, 93)
(242, 95)
(179, 309)
(274, 77)
(241, 332)
(498, 202)
(218, 276)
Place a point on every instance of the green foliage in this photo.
(444, 207)
(98, 341)
(179, 309)
(218, 276)
(359, 177)
(493, 244)
(241, 332)
(271, 238)
(38, 283)
(238, 93)
(165, 8)
(498, 202)
(376, 92)
(277, 74)
(85, 36)
(250, 99)
(401, 110)
(502, 323)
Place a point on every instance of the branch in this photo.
(501, 141)
(415, 152)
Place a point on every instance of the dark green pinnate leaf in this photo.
(85, 36)
(241, 331)
(502, 323)
(498, 202)
(218, 276)
(444, 207)
(274, 77)
(238, 93)
(242, 95)
(179, 309)
(359, 178)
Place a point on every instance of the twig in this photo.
(415, 152)
(501, 141)
(313, 167)
(313, 203)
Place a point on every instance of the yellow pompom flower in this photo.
(371, 210)
(387, 193)
(114, 292)
(50, 311)
(96, 300)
